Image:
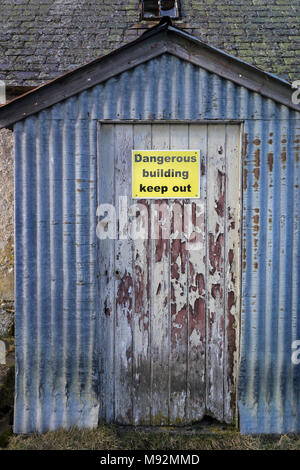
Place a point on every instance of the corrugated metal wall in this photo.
(56, 265)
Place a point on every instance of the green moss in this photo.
(5, 437)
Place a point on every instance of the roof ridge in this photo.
(162, 38)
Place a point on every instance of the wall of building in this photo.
(6, 269)
(6, 215)
(42, 39)
(6, 275)
(58, 344)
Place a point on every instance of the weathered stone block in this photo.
(2, 352)
(6, 215)
(6, 324)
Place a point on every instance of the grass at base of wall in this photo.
(115, 438)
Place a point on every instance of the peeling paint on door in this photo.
(169, 307)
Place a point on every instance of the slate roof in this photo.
(164, 38)
(41, 39)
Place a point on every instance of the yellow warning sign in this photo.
(165, 174)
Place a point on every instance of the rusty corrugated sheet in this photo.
(269, 381)
(57, 328)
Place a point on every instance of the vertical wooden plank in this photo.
(106, 275)
(160, 296)
(123, 276)
(179, 139)
(197, 286)
(232, 269)
(216, 181)
(141, 291)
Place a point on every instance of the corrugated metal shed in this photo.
(56, 258)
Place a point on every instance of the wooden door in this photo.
(169, 307)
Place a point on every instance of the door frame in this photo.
(242, 155)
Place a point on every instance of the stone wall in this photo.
(6, 357)
(6, 243)
(6, 216)
(6, 278)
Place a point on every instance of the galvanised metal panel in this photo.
(56, 347)
(56, 288)
(269, 381)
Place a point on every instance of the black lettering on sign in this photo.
(150, 189)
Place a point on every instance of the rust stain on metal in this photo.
(256, 223)
(283, 155)
(244, 257)
(297, 141)
(245, 179)
(78, 180)
(246, 143)
(256, 169)
(257, 163)
(256, 141)
(270, 161)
